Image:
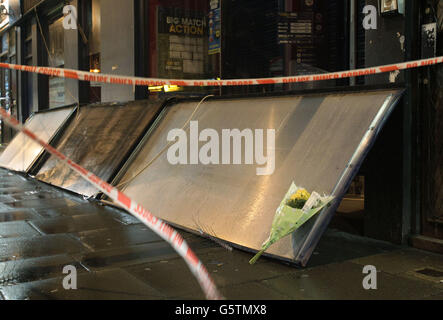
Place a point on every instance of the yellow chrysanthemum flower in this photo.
(301, 194)
(298, 199)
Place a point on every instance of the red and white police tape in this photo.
(137, 81)
(157, 225)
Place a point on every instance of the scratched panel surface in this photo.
(99, 139)
(316, 136)
(22, 152)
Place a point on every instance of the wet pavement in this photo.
(44, 229)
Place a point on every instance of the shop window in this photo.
(284, 38)
(56, 59)
(179, 42)
(230, 39)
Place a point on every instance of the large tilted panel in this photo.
(99, 139)
(316, 137)
(22, 152)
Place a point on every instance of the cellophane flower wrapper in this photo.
(287, 219)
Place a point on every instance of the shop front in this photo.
(392, 193)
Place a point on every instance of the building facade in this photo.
(401, 179)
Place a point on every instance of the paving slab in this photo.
(405, 260)
(6, 199)
(80, 209)
(74, 224)
(344, 281)
(40, 246)
(110, 285)
(43, 203)
(125, 256)
(251, 291)
(227, 269)
(168, 276)
(138, 254)
(17, 229)
(16, 187)
(28, 270)
(13, 190)
(437, 297)
(10, 179)
(35, 195)
(337, 246)
(121, 216)
(18, 215)
(120, 237)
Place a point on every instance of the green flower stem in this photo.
(258, 255)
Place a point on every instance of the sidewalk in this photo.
(43, 229)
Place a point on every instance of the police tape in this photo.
(157, 225)
(138, 81)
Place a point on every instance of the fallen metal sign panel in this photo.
(316, 138)
(100, 138)
(22, 152)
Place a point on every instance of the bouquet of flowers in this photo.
(298, 207)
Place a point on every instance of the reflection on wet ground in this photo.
(43, 229)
